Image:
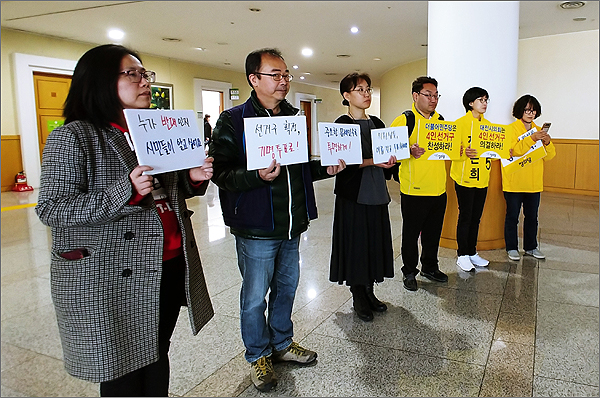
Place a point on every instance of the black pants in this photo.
(424, 216)
(470, 208)
(531, 204)
(153, 380)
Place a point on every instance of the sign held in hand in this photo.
(166, 140)
(282, 138)
(339, 141)
(390, 141)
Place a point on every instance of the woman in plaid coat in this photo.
(124, 256)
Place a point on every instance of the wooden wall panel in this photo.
(560, 171)
(587, 176)
(12, 163)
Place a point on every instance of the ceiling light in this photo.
(376, 59)
(116, 34)
(295, 66)
(307, 73)
(579, 19)
(223, 44)
(423, 45)
(200, 49)
(354, 29)
(226, 63)
(330, 73)
(171, 39)
(253, 9)
(571, 5)
(307, 52)
(301, 77)
(343, 56)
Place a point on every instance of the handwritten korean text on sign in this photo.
(489, 140)
(339, 141)
(282, 138)
(166, 140)
(439, 139)
(390, 141)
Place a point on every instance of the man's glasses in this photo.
(135, 76)
(364, 91)
(483, 100)
(431, 96)
(530, 111)
(277, 76)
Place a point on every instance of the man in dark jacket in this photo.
(266, 211)
(207, 129)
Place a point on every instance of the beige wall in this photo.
(396, 87)
(561, 71)
(178, 73)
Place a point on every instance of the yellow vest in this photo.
(420, 177)
(467, 172)
(531, 178)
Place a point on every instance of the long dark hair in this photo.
(93, 95)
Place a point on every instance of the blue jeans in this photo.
(264, 265)
(531, 203)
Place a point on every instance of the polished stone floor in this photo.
(526, 328)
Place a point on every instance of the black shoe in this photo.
(410, 282)
(436, 275)
(374, 302)
(361, 303)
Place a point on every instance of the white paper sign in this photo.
(282, 138)
(339, 141)
(166, 140)
(390, 141)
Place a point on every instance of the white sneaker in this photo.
(478, 261)
(535, 253)
(464, 263)
(514, 255)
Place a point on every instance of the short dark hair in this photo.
(471, 95)
(521, 104)
(417, 85)
(349, 83)
(93, 95)
(254, 61)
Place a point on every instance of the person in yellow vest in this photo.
(422, 191)
(523, 187)
(471, 175)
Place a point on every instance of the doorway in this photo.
(306, 110)
(212, 104)
(50, 94)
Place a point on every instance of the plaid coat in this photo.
(107, 304)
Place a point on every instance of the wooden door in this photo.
(50, 94)
(306, 108)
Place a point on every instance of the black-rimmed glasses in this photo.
(364, 91)
(277, 76)
(431, 96)
(135, 76)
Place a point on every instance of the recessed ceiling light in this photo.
(330, 73)
(579, 19)
(295, 66)
(307, 52)
(376, 59)
(423, 45)
(200, 49)
(254, 9)
(116, 34)
(570, 5)
(223, 44)
(343, 56)
(307, 73)
(171, 39)
(301, 77)
(354, 29)
(226, 63)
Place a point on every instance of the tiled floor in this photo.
(527, 328)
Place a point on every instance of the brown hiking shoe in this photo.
(262, 374)
(295, 353)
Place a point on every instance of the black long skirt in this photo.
(361, 249)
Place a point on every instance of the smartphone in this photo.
(76, 254)
(546, 127)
